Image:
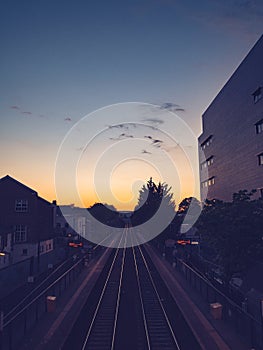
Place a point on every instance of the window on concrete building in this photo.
(260, 159)
(259, 126)
(209, 161)
(21, 205)
(20, 233)
(208, 182)
(257, 95)
(203, 165)
(207, 142)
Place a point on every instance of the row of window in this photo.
(208, 182)
(257, 95)
(20, 235)
(207, 142)
(211, 180)
(209, 161)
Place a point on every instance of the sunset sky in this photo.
(90, 86)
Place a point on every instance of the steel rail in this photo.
(159, 300)
(119, 292)
(87, 337)
(141, 300)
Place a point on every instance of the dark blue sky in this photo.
(61, 60)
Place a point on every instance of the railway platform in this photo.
(55, 327)
(211, 333)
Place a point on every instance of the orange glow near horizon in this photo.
(110, 164)
(124, 191)
(122, 187)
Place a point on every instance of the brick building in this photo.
(27, 221)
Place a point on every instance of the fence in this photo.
(14, 328)
(15, 275)
(244, 324)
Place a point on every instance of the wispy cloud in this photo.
(121, 137)
(126, 135)
(117, 126)
(154, 142)
(27, 112)
(157, 143)
(155, 121)
(126, 126)
(172, 107)
(146, 152)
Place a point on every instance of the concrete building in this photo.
(231, 145)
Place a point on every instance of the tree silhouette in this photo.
(185, 205)
(234, 230)
(106, 214)
(151, 197)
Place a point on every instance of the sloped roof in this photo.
(8, 178)
(11, 179)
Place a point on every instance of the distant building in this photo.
(27, 222)
(231, 145)
(75, 220)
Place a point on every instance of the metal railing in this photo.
(14, 328)
(248, 327)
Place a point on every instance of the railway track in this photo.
(157, 326)
(102, 330)
(130, 309)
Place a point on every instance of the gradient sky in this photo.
(62, 60)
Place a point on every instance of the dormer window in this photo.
(257, 95)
